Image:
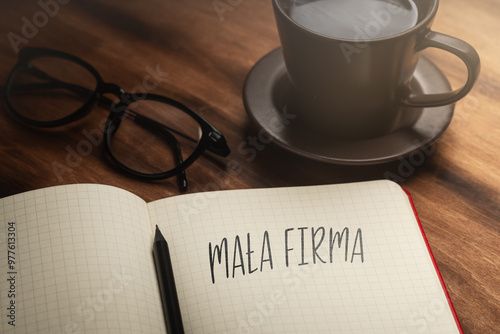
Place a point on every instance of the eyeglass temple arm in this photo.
(218, 144)
(148, 122)
(53, 84)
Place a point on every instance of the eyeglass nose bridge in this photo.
(118, 107)
(111, 88)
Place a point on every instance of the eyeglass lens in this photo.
(48, 88)
(154, 137)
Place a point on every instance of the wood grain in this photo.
(207, 55)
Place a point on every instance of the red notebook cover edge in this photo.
(450, 303)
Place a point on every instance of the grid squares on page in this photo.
(381, 283)
(66, 276)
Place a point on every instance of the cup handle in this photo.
(461, 49)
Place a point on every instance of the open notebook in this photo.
(348, 258)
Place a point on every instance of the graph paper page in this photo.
(326, 259)
(81, 262)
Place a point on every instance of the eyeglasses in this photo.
(146, 135)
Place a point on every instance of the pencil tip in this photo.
(158, 235)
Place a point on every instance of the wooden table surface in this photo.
(204, 50)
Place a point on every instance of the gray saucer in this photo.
(267, 99)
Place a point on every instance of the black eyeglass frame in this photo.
(211, 139)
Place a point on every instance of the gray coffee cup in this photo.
(356, 85)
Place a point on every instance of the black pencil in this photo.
(171, 308)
